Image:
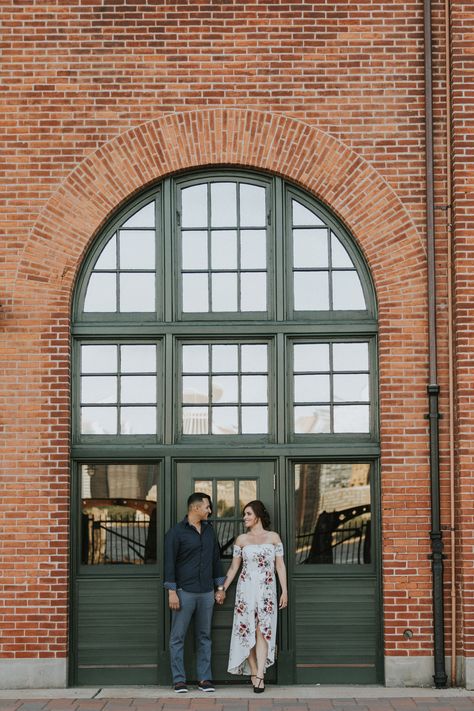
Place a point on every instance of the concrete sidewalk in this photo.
(239, 698)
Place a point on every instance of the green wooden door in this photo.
(231, 485)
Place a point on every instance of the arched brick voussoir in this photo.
(263, 140)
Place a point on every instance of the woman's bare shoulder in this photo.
(273, 537)
(241, 540)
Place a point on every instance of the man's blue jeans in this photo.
(201, 605)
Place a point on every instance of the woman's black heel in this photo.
(259, 689)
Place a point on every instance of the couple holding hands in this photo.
(194, 579)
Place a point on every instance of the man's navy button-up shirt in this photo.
(192, 559)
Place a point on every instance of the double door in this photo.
(120, 621)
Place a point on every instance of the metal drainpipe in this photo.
(440, 677)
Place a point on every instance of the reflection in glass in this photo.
(302, 216)
(194, 250)
(310, 248)
(347, 291)
(118, 514)
(247, 492)
(137, 249)
(253, 291)
(223, 204)
(254, 358)
(254, 420)
(145, 217)
(99, 389)
(194, 206)
(252, 206)
(352, 387)
(225, 498)
(195, 293)
(108, 257)
(225, 359)
(311, 291)
(254, 388)
(138, 359)
(253, 249)
(195, 389)
(195, 421)
(99, 420)
(195, 359)
(224, 292)
(224, 249)
(312, 419)
(137, 292)
(225, 420)
(138, 388)
(204, 487)
(311, 357)
(332, 513)
(225, 388)
(138, 420)
(351, 418)
(101, 293)
(99, 359)
(312, 388)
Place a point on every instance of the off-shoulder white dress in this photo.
(255, 604)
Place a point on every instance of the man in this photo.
(192, 570)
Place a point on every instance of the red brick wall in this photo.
(103, 97)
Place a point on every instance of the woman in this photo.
(252, 646)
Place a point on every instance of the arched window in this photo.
(224, 306)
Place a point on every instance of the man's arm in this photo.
(171, 552)
(217, 572)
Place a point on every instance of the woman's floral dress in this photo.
(255, 604)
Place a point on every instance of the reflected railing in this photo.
(339, 538)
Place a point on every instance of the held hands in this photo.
(173, 600)
(283, 601)
(219, 596)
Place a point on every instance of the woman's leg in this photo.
(252, 659)
(261, 651)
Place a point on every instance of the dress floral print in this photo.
(255, 604)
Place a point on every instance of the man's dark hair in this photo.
(198, 496)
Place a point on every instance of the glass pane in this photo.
(138, 359)
(137, 249)
(224, 292)
(118, 514)
(101, 294)
(195, 293)
(195, 359)
(253, 291)
(194, 246)
(310, 248)
(99, 359)
(332, 513)
(311, 357)
(224, 249)
(223, 204)
(225, 499)
(225, 388)
(253, 249)
(195, 420)
(225, 359)
(99, 389)
(350, 356)
(347, 291)
(302, 216)
(99, 420)
(195, 389)
(254, 388)
(247, 492)
(194, 206)
(351, 388)
(252, 206)
(254, 358)
(204, 487)
(311, 291)
(108, 257)
(138, 388)
(351, 418)
(254, 420)
(225, 420)
(312, 388)
(138, 420)
(339, 256)
(137, 292)
(145, 217)
(312, 419)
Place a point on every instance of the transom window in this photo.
(224, 306)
